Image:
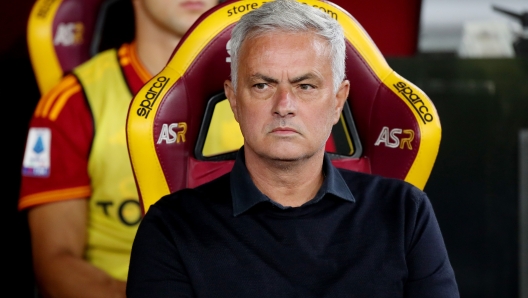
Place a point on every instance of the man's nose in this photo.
(284, 102)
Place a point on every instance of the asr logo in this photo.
(172, 133)
(394, 138)
(69, 34)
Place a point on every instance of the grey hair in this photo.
(290, 16)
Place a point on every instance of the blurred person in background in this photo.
(77, 182)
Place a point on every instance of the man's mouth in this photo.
(193, 5)
(284, 130)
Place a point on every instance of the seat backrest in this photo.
(389, 127)
(62, 34)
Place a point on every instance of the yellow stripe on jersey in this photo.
(47, 100)
(136, 64)
(54, 196)
(62, 100)
(123, 55)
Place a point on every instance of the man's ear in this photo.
(230, 94)
(341, 97)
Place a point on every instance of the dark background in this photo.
(20, 94)
(474, 185)
(482, 104)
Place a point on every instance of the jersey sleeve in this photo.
(58, 145)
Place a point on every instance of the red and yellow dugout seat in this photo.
(62, 34)
(181, 133)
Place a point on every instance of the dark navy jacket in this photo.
(361, 236)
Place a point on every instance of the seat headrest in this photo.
(62, 34)
(396, 123)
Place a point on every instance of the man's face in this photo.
(176, 16)
(285, 101)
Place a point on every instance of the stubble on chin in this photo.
(282, 161)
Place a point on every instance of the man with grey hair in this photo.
(285, 222)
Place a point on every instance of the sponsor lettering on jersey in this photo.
(36, 161)
(172, 133)
(396, 137)
(128, 211)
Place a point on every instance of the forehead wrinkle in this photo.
(258, 76)
(266, 58)
(303, 77)
(300, 78)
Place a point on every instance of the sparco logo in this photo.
(415, 101)
(151, 96)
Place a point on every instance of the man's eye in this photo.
(260, 86)
(306, 87)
